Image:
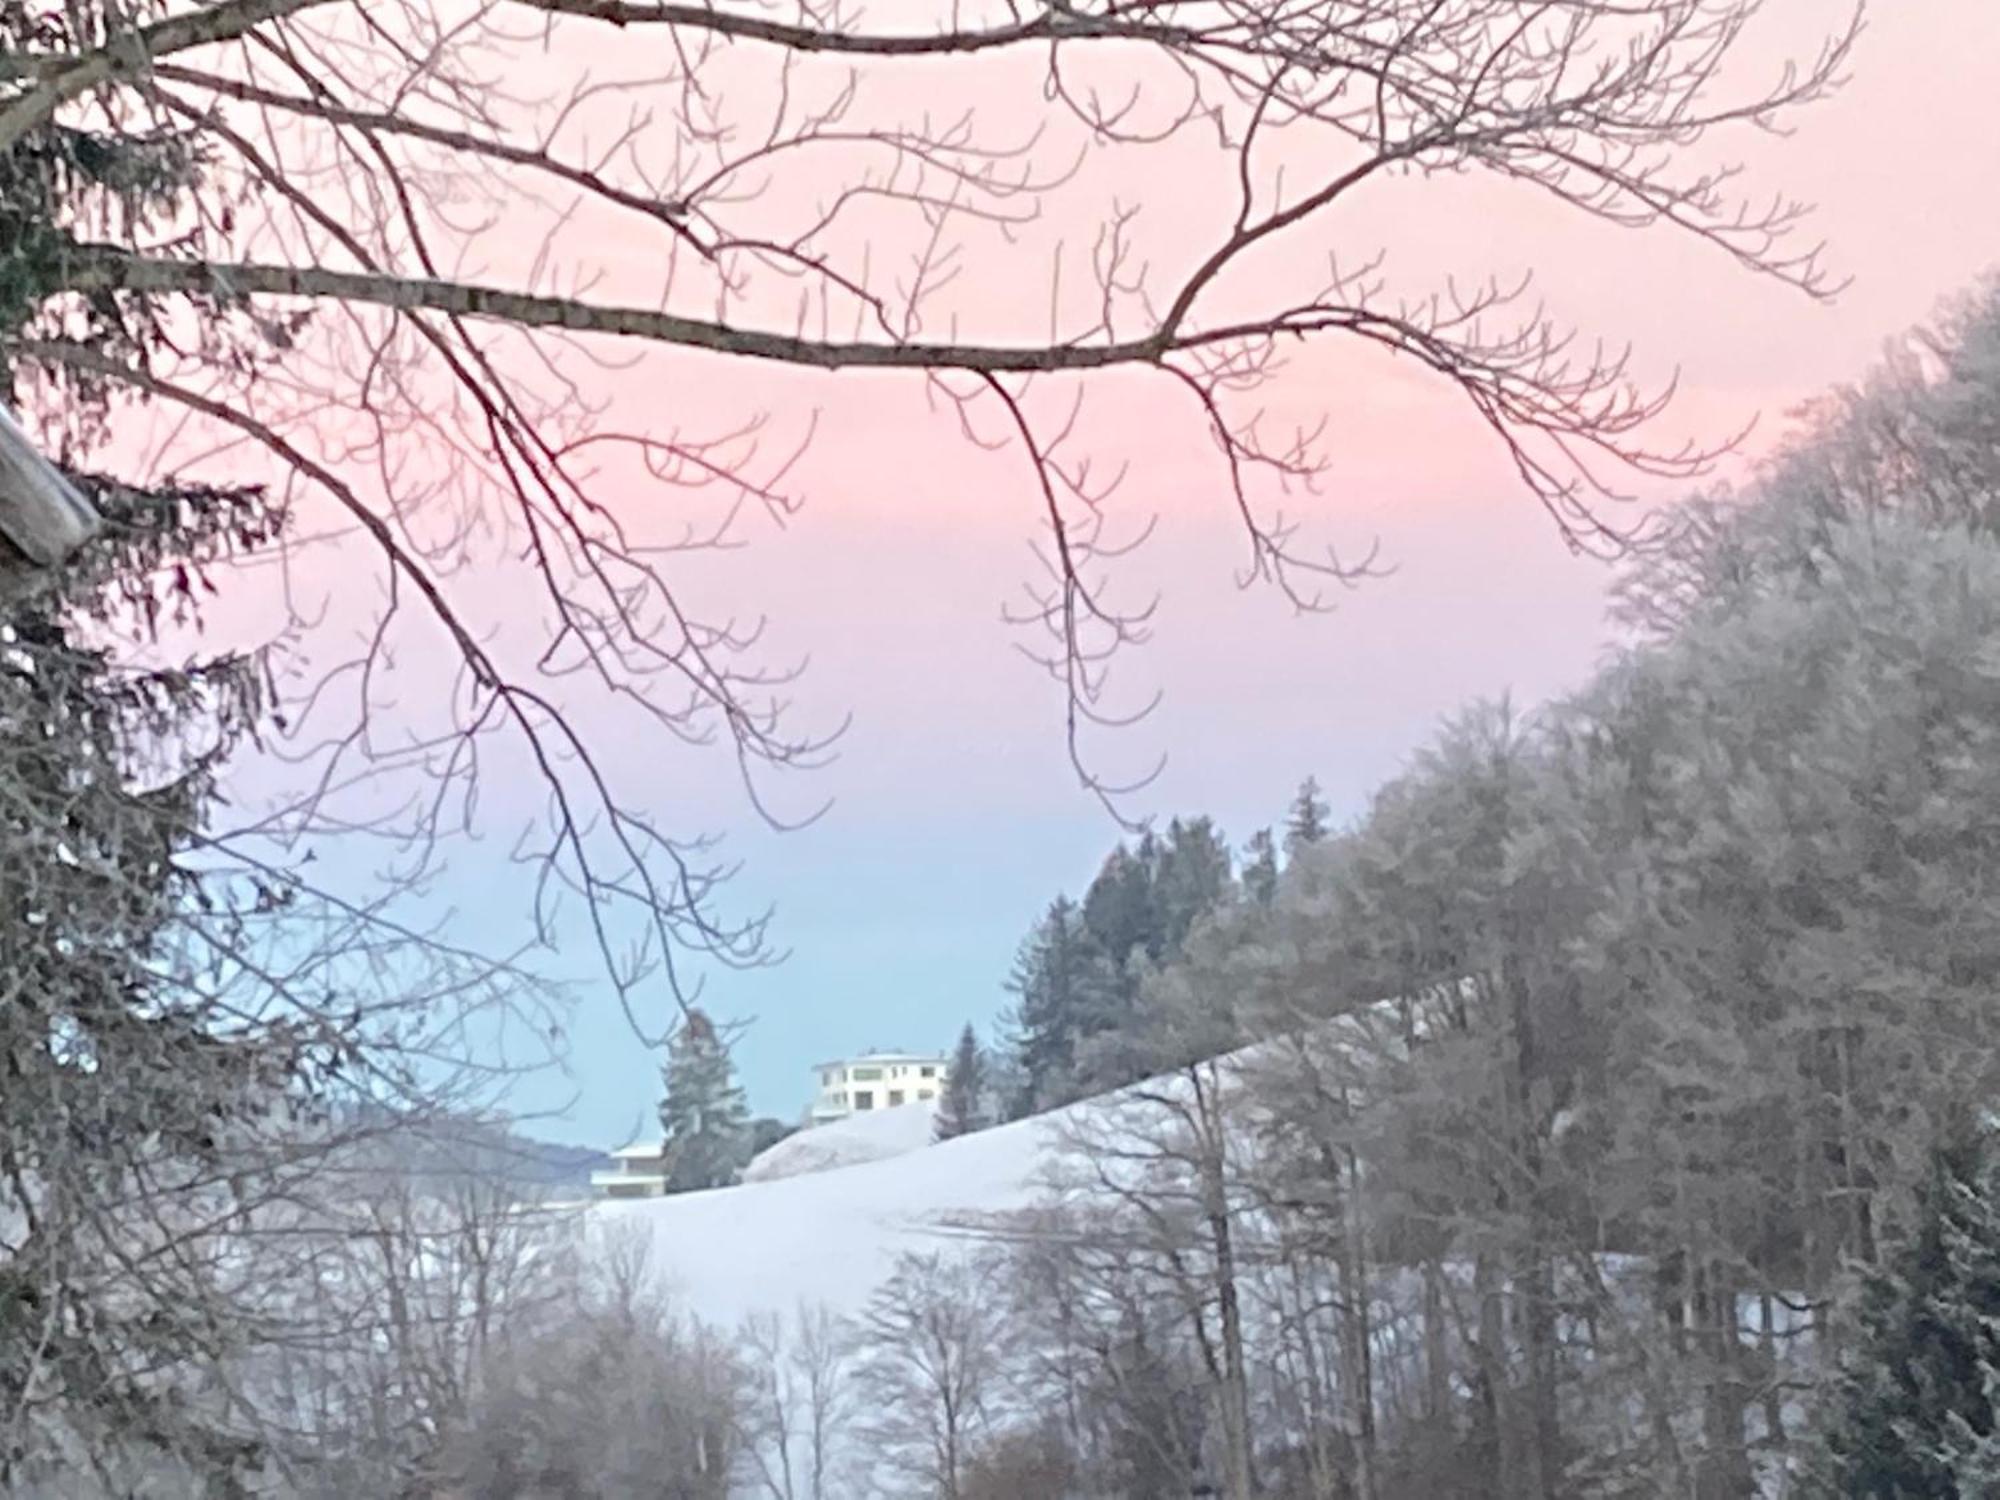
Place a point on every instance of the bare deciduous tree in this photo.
(798, 1402)
(934, 1357)
(376, 272)
(430, 274)
(616, 1392)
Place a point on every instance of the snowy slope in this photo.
(873, 1136)
(818, 1233)
(828, 1237)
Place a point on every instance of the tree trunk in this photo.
(1360, 1329)
(1238, 1476)
(1235, 1382)
(1767, 1343)
(1725, 1464)
(1494, 1412)
(1534, 1280)
(1437, 1347)
(1321, 1392)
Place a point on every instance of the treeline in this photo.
(1580, 1078)
(1079, 985)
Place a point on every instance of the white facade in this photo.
(641, 1172)
(875, 1080)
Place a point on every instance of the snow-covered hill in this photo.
(829, 1236)
(873, 1136)
(826, 1212)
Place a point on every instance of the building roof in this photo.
(41, 513)
(638, 1150)
(885, 1057)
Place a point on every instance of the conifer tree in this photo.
(1260, 870)
(1917, 1405)
(1193, 877)
(1060, 981)
(704, 1116)
(962, 1105)
(1119, 909)
(125, 1080)
(1306, 824)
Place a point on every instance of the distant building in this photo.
(875, 1080)
(641, 1172)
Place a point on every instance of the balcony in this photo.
(617, 1184)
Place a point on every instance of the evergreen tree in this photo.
(704, 1116)
(1192, 877)
(1917, 1405)
(1060, 981)
(1119, 910)
(1127, 924)
(1080, 978)
(1306, 824)
(1260, 871)
(766, 1131)
(132, 1077)
(124, 1082)
(962, 1106)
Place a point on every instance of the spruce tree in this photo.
(1193, 877)
(1061, 980)
(1119, 909)
(766, 1131)
(704, 1116)
(1260, 870)
(962, 1105)
(1914, 1415)
(1306, 824)
(138, 1094)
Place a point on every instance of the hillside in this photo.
(873, 1136)
(829, 1235)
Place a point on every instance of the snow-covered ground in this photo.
(828, 1236)
(873, 1136)
(823, 1215)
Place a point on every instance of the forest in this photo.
(1561, 1126)
(1603, 1110)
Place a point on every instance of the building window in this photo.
(895, 1097)
(864, 1098)
(865, 1075)
(927, 1072)
(925, 1094)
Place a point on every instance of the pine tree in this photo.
(1917, 1406)
(1306, 824)
(1260, 870)
(704, 1116)
(962, 1106)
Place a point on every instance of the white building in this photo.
(641, 1172)
(875, 1080)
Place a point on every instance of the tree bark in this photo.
(1239, 1479)
(1725, 1465)
(1359, 1326)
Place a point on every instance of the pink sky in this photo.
(956, 818)
(955, 815)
